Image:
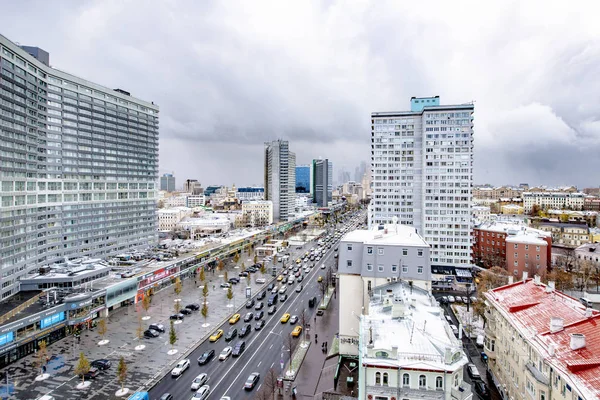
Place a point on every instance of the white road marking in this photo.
(272, 364)
(258, 389)
(270, 347)
(260, 362)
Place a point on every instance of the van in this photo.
(311, 302)
(283, 289)
(272, 300)
(238, 349)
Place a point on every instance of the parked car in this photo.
(193, 306)
(151, 333)
(481, 389)
(252, 381)
(157, 327)
(179, 316)
(239, 348)
(232, 334)
(206, 357)
(225, 285)
(248, 317)
(199, 381)
(234, 280)
(225, 353)
(444, 300)
(259, 315)
(473, 372)
(180, 367)
(451, 299)
(92, 373)
(250, 303)
(261, 280)
(243, 273)
(102, 364)
(166, 396)
(246, 329)
(259, 325)
(201, 393)
(185, 311)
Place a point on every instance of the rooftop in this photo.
(392, 234)
(512, 227)
(527, 238)
(410, 327)
(530, 306)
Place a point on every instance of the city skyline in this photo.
(208, 77)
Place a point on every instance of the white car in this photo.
(180, 367)
(261, 280)
(202, 393)
(298, 288)
(199, 381)
(322, 266)
(225, 353)
(306, 270)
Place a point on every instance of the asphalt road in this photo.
(264, 348)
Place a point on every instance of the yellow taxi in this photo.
(297, 331)
(320, 279)
(216, 336)
(299, 261)
(279, 278)
(235, 318)
(285, 318)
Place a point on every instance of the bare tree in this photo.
(290, 343)
(270, 383)
(146, 303)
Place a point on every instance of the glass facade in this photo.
(303, 179)
(79, 167)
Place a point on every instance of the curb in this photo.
(299, 365)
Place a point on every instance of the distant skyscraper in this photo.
(427, 183)
(280, 178)
(322, 182)
(80, 167)
(192, 186)
(167, 182)
(303, 179)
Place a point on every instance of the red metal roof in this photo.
(530, 308)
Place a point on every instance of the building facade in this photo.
(303, 179)
(541, 344)
(250, 193)
(322, 182)
(422, 162)
(566, 234)
(192, 186)
(553, 200)
(280, 179)
(167, 183)
(168, 219)
(371, 258)
(80, 166)
(258, 212)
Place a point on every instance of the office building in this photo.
(80, 166)
(303, 179)
(541, 344)
(280, 179)
(322, 182)
(167, 183)
(422, 166)
(372, 258)
(257, 212)
(192, 186)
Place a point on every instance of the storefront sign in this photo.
(31, 320)
(51, 320)
(7, 338)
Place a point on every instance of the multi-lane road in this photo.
(265, 348)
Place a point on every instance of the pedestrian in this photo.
(78, 338)
(316, 336)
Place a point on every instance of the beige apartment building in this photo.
(496, 193)
(257, 212)
(541, 344)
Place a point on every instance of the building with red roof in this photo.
(542, 344)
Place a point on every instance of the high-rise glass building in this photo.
(422, 173)
(167, 182)
(303, 179)
(79, 166)
(280, 178)
(322, 182)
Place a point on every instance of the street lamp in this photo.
(468, 285)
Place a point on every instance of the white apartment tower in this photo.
(280, 178)
(422, 173)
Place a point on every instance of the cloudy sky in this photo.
(229, 75)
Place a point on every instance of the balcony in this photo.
(462, 393)
(421, 394)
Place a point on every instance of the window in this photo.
(369, 267)
(404, 252)
(380, 268)
(516, 263)
(526, 247)
(394, 268)
(380, 251)
(422, 382)
(405, 380)
(385, 379)
(456, 380)
(404, 269)
(537, 256)
(369, 250)
(420, 252)
(420, 269)
(516, 246)
(349, 247)
(378, 378)
(537, 248)
(349, 263)
(439, 383)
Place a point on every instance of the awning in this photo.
(463, 273)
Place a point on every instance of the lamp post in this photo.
(468, 285)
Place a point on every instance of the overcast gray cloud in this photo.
(230, 75)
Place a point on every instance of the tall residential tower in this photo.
(422, 166)
(79, 167)
(280, 178)
(322, 182)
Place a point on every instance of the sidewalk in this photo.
(316, 373)
(143, 365)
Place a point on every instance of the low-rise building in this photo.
(512, 209)
(541, 343)
(206, 225)
(553, 200)
(258, 212)
(169, 218)
(481, 214)
(407, 349)
(512, 245)
(195, 200)
(591, 204)
(566, 234)
(250, 193)
(589, 252)
(372, 258)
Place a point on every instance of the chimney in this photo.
(550, 287)
(537, 279)
(448, 355)
(577, 341)
(556, 324)
(510, 279)
(551, 350)
(588, 312)
(397, 308)
(525, 275)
